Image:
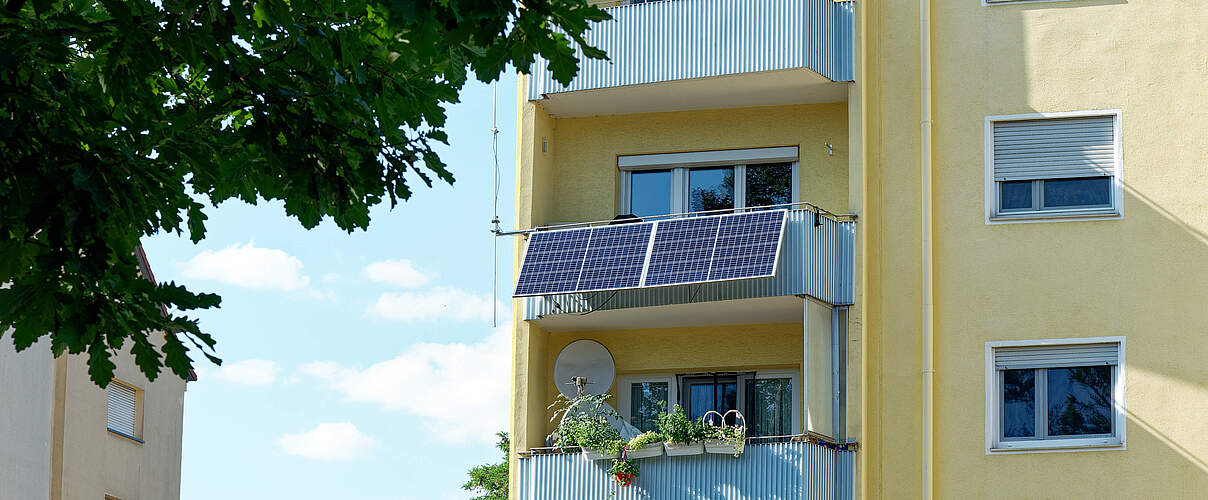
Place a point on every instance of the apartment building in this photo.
(991, 271)
(64, 438)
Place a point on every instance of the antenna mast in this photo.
(495, 209)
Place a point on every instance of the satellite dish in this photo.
(585, 361)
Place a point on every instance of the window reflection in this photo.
(769, 184)
(720, 397)
(1019, 403)
(1079, 400)
(648, 400)
(650, 193)
(769, 407)
(710, 189)
(1083, 192)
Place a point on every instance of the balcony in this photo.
(703, 54)
(815, 261)
(788, 470)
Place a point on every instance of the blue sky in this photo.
(362, 365)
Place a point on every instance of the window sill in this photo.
(1056, 445)
(128, 438)
(1055, 216)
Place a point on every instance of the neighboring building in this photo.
(64, 438)
(1010, 303)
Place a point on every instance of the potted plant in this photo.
(681, 436)
(726, 439)
(586, 422)
(623, 470)
(645, 445)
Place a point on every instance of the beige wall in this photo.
(1143, 277)
(584, 178)
(26, 403)
(96, 462)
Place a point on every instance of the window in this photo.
(768, 399)
(643, 398)
(1058, 165)
(718, 181)
(1055, 394)
(123, 410)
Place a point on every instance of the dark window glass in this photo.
(1019, 403)
(1080, 400)
(1082, 192)
(769, 184)
(1015, 195)
(647, 400)
(650, 193)
(710, 189)
(720, 397)
(769, 407)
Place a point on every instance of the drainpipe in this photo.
(928, 276)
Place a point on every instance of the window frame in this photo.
(680, 163)
(675, 380)
(794, 377)
(996, 445)
(1038, 214)
(137, 437)
(624, 385)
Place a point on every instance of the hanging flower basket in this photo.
(728, 439)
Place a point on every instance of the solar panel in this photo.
(682, 251)
(552, 262)
(747, 245)
(615, 257)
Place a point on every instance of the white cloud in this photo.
(329, 442)
(249, 266)
(252, 372)
(458, 391)
(434, 303)
(396, 272)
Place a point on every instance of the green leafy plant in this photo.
(644, 439)
(730, 434)
(623, 470)
(678, 429)
(490, 481)
(586, 422)
(124, 119)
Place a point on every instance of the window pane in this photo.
(769, 407)
(648, 399)
(1084, 192)
(1015, 195)
(720, 397)
(1080, 400)
(769, 184)
(1019, 403)
(710, 189)
(650, 193)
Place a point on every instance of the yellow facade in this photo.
(1141, 276)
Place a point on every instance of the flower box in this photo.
(591, 454)
(650, 450)
(722, 447)
(681, 449)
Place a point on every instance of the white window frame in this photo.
(137, 435)
(1115, 211)
(625, 400)
(794, 377)
(680, 163)
(995, 446)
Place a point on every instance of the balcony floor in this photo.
(767, 88)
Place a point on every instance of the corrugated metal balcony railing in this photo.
(764, 471)
(684, 39)
(815, 260)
